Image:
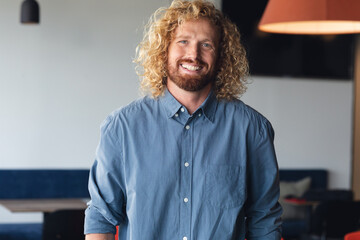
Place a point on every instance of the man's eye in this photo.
(207, 45)
(182, 41)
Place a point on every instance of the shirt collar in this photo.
(172, 106)
(170, 103)
(209, 106)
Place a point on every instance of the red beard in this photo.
(191, 83)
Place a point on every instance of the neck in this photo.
(190, 100)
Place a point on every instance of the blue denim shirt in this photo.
(161, 173)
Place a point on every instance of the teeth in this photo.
(190, 67)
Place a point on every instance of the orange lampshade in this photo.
(311, 17)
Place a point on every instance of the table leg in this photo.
(64, 224)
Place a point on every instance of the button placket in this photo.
(186, 179)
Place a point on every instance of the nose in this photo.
(193, 51)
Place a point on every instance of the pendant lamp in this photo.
(311, 17)
(30, 12)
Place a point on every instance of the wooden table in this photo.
(63, 218)
(43, 205)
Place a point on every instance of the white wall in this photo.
(60, 79)
(312, 119)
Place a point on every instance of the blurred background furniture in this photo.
(352, 236)
(26, 231)
(311, 210)
(333, 219)
(295, 183)
(64, 225)
(63, 219)
(60, 194)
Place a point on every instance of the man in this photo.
(190, 161)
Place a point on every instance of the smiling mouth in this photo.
(191, 67)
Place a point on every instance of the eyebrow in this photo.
(183, 36)
(188, 36)
(208, 40)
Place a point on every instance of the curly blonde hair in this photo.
(152, 52)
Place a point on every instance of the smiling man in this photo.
(192, 56)
(190, 160)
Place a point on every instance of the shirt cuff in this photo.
(96, 223)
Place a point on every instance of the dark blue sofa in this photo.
(39, 184)
(294, 228)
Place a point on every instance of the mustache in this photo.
(192, 61)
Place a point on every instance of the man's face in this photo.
(192, 55)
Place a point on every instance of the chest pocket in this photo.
(225, 186)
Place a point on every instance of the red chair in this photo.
(117, 233)
(352, 236)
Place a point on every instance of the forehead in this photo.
(201, 28)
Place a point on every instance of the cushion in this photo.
(294, 189)
(319, 177)
(21, 231)
(43, 183)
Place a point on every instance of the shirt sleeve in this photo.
(106, 183)
(263, 212)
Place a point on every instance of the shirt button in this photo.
(187, 127)
(199, 114)
(186, 164)
(184, 238)
(182, 109)
(186, 199)
(176, 114)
